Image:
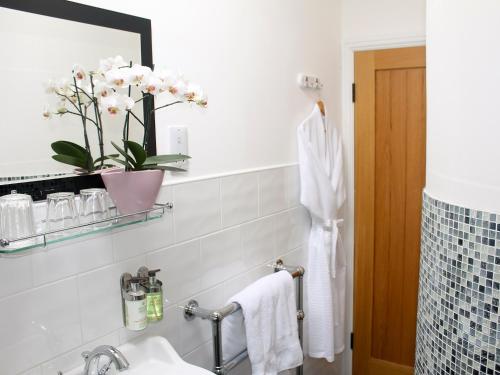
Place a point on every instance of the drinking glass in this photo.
(94, 207)
(61, 212)
(16, 218)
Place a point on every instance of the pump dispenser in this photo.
(154, 297)
(135, 306)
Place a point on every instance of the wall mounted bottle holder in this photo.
(43, 238)
(143, 276)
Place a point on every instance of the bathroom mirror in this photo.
(41, 40)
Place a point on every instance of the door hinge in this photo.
(352, 340)
(354, 93)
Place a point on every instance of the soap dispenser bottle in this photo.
(154, 297)
(135, 306)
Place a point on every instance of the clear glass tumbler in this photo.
(16, 218)
(94, 207)
(61, 213)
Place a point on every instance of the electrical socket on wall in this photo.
(178, 135)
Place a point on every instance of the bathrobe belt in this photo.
(331, 237)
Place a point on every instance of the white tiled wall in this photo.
(57, 302)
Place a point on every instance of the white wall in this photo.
(368, 24)
(463, 77)
(364, 20)
(246, 54)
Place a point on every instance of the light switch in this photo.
(178, 144)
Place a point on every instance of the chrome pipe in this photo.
(300, 315)
(192, 310)
(217, 344)
(296, 272)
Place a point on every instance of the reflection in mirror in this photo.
(39, 48)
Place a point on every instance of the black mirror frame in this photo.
(71, 11)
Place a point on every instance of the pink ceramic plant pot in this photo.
(133, 191)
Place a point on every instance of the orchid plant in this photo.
(107, 91)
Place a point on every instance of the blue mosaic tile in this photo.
(458, 324)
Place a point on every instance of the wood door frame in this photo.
(364, 170)
(348, 50)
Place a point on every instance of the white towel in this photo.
(268, 316)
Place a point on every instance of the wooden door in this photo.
(389, 178)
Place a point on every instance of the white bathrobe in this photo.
(323, 193)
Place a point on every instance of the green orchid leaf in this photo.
(90, 163)
(163, 167)
(106, 157)
(116, 160)
(124, 154)
(71, 160)
(138, 151)
(164, 159)
(69, 148)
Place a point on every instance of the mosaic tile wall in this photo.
(458, 329)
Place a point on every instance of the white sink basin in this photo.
(152, 356)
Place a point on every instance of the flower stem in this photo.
(148, 98)
(87, 144)
(83, 91)
(67, 98)
(149, 114)
(126, 130)
(84, 123)
(125, 139)
(79, 115)
(167, 105)
(97, 114)
(137, 118)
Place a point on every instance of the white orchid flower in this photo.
(102, 89)
(117, 78)
(192, 92)
(178, 89)
(195, 94)
(88, 89)
(104, 66)
(111, 63)
(63, 87)
(128, 102)
(47, 114)
(153, 85)
(119, 62)
(139, 74)
(167, 76)
(201, 100)
(50, 86)
(82, 98)
(169, 79)
(110, 104)
(79, 72)
(116, 103)
(61, 107)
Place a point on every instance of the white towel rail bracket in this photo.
(192, 310)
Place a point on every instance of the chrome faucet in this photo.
(115, 357)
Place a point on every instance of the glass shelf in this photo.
(43, 239)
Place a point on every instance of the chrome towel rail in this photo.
(192, 310)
